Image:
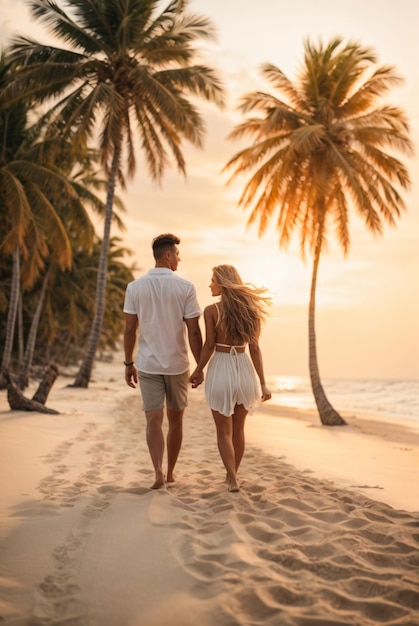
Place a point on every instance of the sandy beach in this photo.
(324, 532)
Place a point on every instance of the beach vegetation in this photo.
(69, 306)
(31, 228)
(321, 148)
(54, 316)
(49, 187)
(128, 71)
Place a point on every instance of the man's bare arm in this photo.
(194, 336)
(130, 337)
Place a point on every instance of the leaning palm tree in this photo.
(321, 152)
(129, 69)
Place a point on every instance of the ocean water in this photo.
(394, 398)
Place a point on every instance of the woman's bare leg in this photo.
(239, 419)
(224, 427)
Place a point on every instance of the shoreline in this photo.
(378, 457)
(395, 428)
(405, 421)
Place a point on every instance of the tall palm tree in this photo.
(320, 152)
(129, 70)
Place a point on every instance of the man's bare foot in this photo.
(170, 478)
(158, 483)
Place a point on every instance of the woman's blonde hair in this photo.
(243, 305)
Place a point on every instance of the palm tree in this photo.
(320, 152)
(78, 225)
(30, 226)
(130, 69)
(68, 304)
(12, 128)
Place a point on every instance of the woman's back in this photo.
(222, 338)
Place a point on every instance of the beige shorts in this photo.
(156, 387)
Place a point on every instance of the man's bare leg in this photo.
(224, 427)
(174, 440)
(155, 442)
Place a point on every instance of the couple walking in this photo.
(163, 309)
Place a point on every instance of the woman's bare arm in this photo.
(196, 377)
(257, 360)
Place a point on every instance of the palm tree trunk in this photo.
(18, 402)
(21, 343)
(11, 316)
(33, 331)
(85, 371)
(45, 386)
(328, 415)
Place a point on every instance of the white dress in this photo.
(230, 380)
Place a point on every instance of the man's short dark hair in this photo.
(162, 243)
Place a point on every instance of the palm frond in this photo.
(44, 211)
(324, 151)
(282, 83)
(370, 91)
(62, 26)
(18, 209)
(198, 80)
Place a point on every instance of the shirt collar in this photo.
(160, 270)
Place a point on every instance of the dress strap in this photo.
(223, 347)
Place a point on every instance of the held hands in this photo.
(196, 378)
(266, 394)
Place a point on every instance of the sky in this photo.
(367, 303)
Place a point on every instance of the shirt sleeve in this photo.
(192, 308)
(129, 306)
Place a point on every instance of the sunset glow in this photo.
(368, 303)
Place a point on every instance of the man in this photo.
(163, 306)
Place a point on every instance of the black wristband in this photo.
(128, 364)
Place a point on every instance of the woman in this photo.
(231, 386)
